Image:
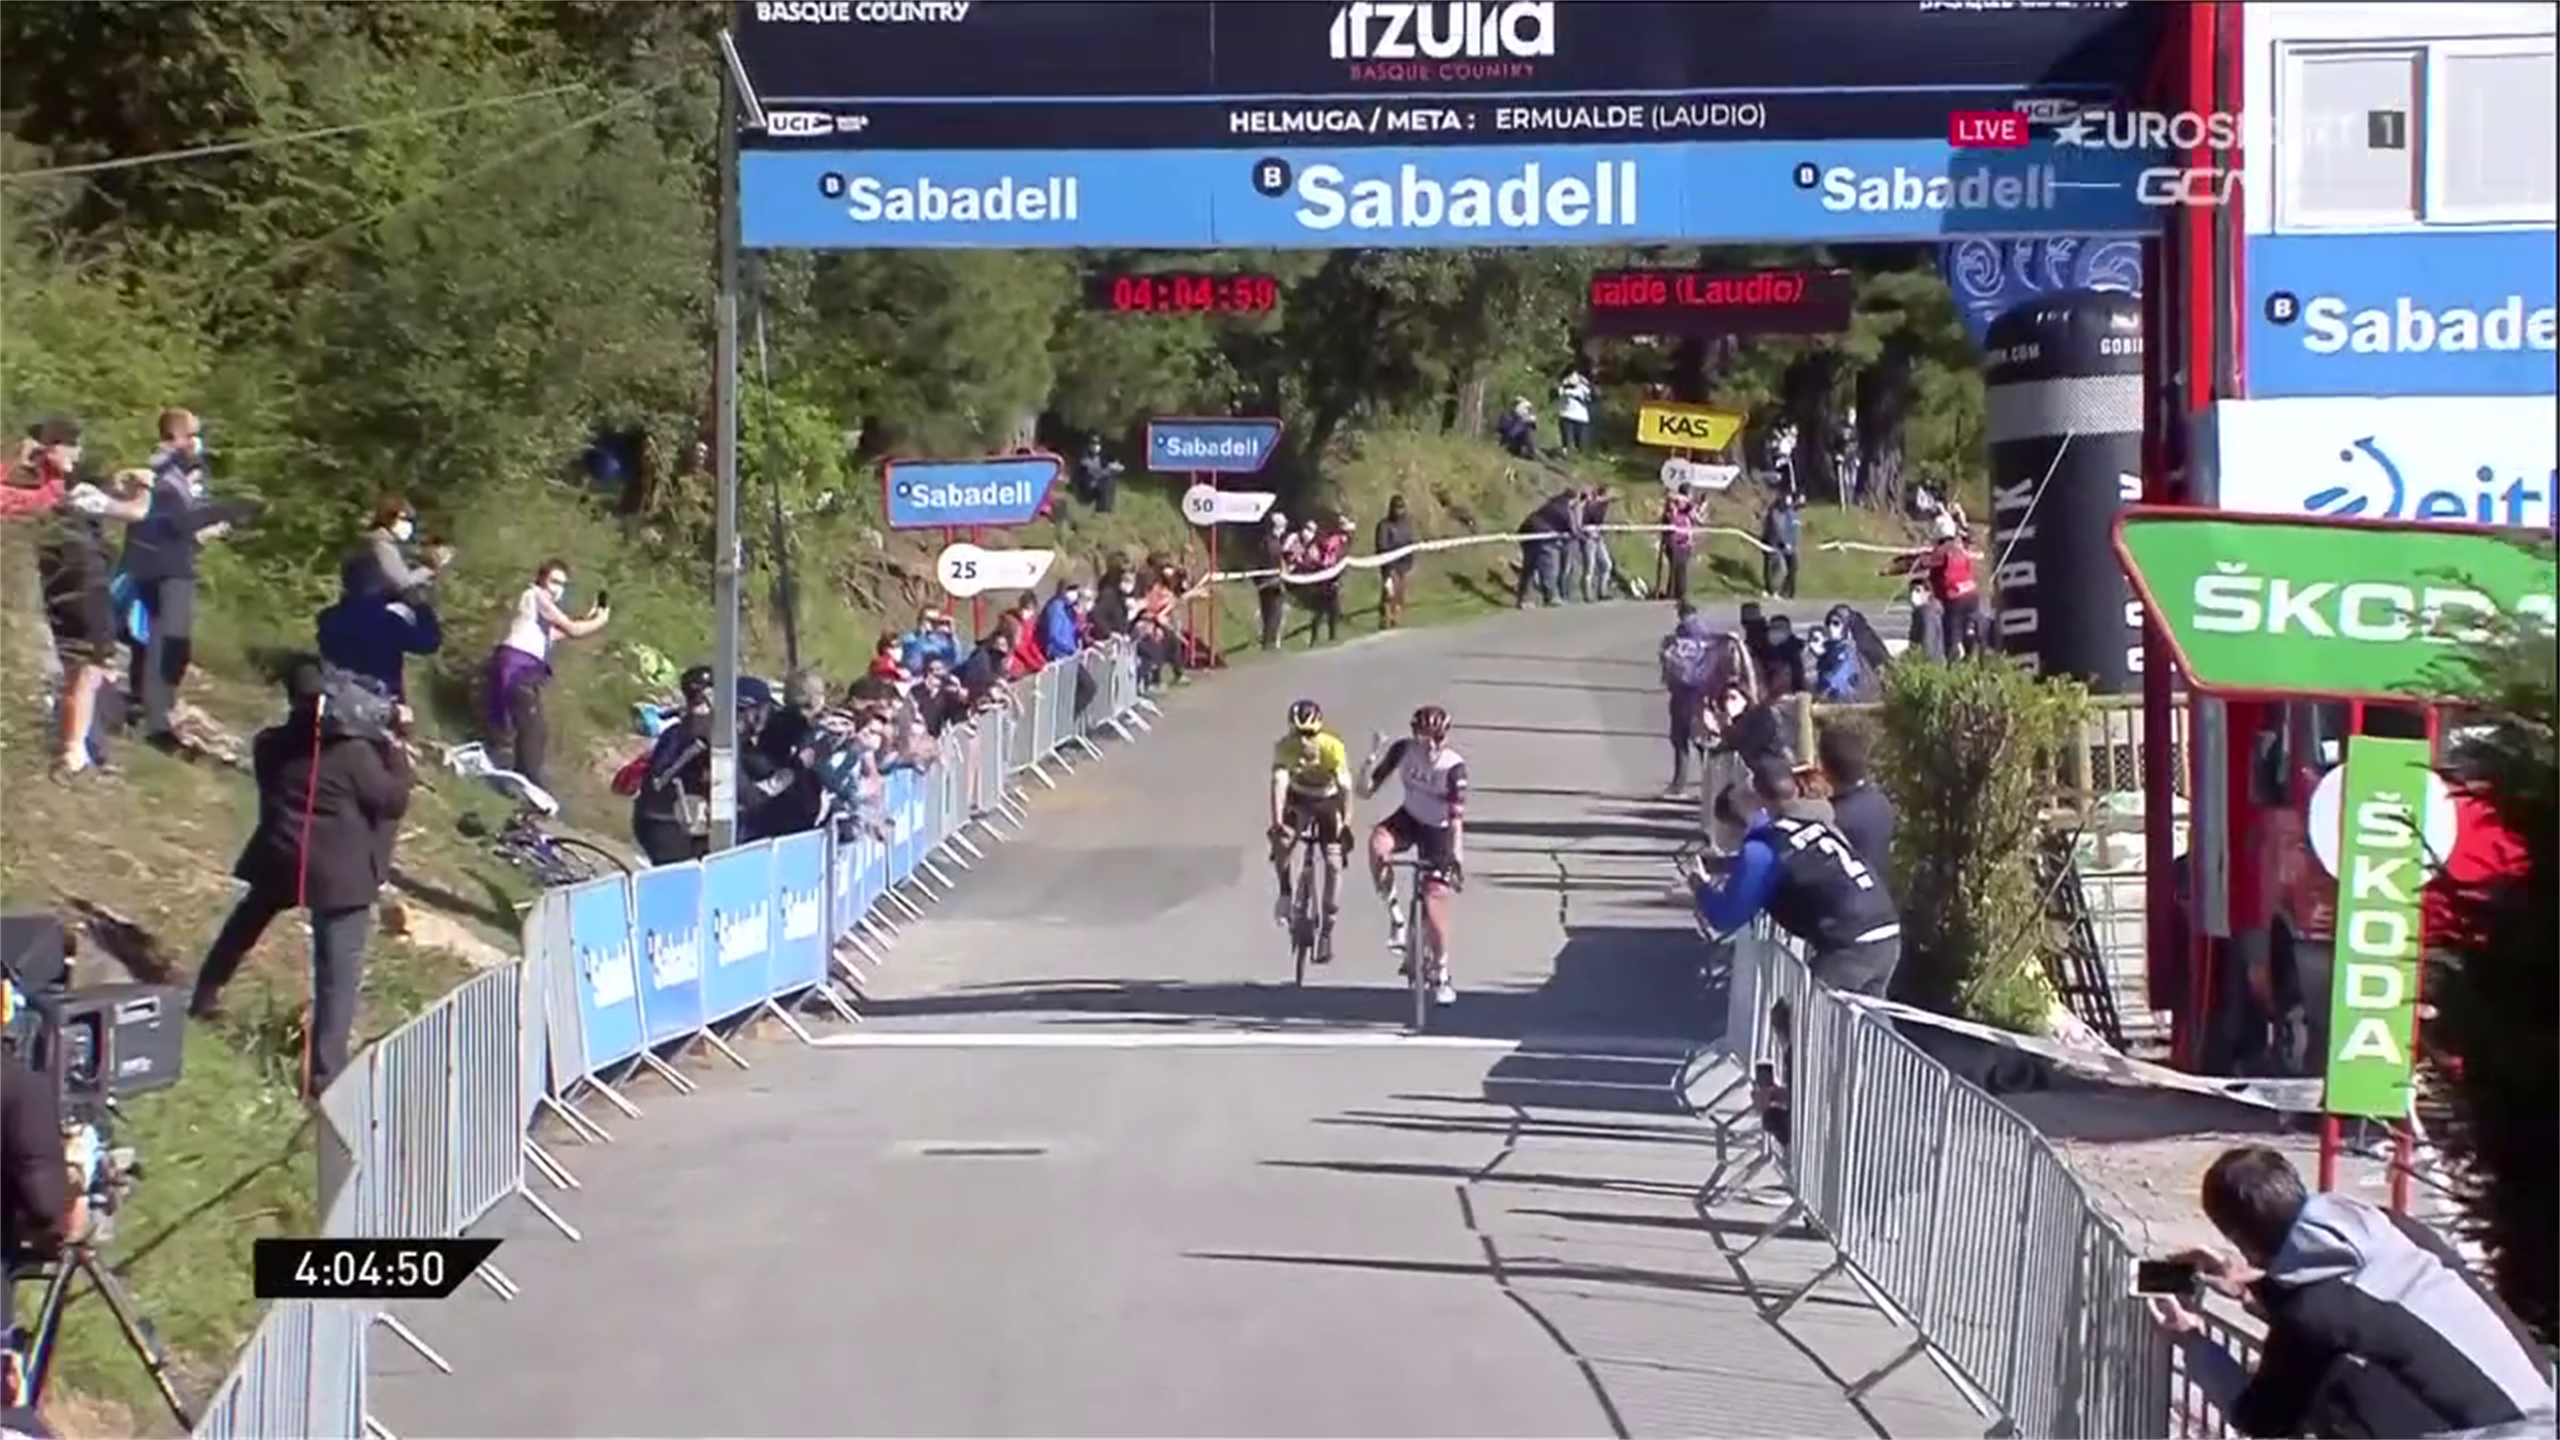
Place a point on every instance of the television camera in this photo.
(97, 1046)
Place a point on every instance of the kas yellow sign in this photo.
(1685, 427)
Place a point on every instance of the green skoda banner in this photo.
(2269, 605)
(2373, 993)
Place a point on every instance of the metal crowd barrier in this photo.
(434, 1126)
(1952, 1215)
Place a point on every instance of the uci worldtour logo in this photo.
(2375, 489)
(1385, 41)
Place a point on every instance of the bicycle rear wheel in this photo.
(1417, 957)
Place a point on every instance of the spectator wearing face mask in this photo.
(1160, 654)
(1396, 536)
(671, 799)
(72, 569)
(1780, 528)
(1599, 568)
(1026, 657)
(1573, 409)
(940, 700)
(1861, 810)
(1679, 542)
(1061, 622)
(380, 569)
(520, 665)
(1325, 556)
(1114, 610)
(160, 557)
(990, 664)
(886, 661)
(931, 637)
(1271, 589)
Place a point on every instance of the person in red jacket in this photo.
(884, 660)
(1027, 658)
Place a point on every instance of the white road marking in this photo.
(1597, 1047)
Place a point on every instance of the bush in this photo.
(2488, 1050)
(1965, 751)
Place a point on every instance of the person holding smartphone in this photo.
(520, 666)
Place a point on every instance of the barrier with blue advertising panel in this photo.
(607, 987)
(617, 970)
(798, 961)
(666, 918)
(739, 901)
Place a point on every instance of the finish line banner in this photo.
(1774, 192)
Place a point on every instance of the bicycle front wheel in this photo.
(1302, 914)
(1417, 959)
(572, 861)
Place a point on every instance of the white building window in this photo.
(2400, 135)
(2493, 110)
(2347, 148)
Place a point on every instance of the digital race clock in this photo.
(1182, 292)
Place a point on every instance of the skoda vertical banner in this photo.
(2373, 996)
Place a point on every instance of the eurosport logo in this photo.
(2402, 315)
(825, 197)
(2468, 460)
(862, 12)
(2099, 128)
(1385, 41)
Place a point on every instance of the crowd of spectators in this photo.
(107, 597)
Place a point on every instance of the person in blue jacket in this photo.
(1796, 867)
(375, 638)
(931, 637)
(1059, 621)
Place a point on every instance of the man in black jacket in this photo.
(160, 554)
(1859, 811)
(2374, 1325)
(329, 809)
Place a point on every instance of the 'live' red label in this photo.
(1987, 130)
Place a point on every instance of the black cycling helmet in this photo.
(696, 684)
(1431, 723)
(1306, 717)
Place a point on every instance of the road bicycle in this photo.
(1311, 914)
(522, 841)
(1419, 957)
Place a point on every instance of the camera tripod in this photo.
(82, 1261)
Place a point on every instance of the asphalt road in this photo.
(1092, 1166)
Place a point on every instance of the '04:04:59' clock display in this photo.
(324, 1269)
(1182, 292)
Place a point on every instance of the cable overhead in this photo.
(262, 142)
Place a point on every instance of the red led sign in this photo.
(1719, 302)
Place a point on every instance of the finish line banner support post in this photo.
(1207, 450)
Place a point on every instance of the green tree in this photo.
(2496, 991)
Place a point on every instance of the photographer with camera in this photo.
(333, 782)
(44, 1201)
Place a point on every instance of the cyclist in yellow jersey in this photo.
(1310, 794)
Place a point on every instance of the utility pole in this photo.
(725, 554)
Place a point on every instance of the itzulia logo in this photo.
(2374, 488)
(2231, 601)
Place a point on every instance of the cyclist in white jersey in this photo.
(1430, 823)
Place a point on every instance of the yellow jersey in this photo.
(1318, 764)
